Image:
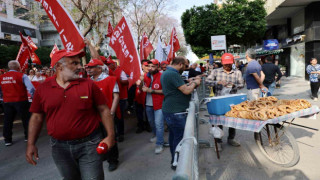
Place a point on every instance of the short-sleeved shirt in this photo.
(71, 113)
(174, 100)
(253, 67)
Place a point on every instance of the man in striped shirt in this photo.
(223, 79)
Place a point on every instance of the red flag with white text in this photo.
(122, 43)
(174, 45)
(110, 30)
(31, 44)
(31, 47)
(70, 35)
(23, 57)
(145, 47)
(54, 50)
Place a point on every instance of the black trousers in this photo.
(141, 117)
(10, 110)
(112, 155)
(232, 133)
(314, 89)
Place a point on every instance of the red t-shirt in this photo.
(71, 113)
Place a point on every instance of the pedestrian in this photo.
(189, 71)
(270, 70)
(14, 88)
(109, 87)
(73, 108)
(163, 66)
(154, 98)
(31, 75)
(177, 95)
(226, 78)
(313, 69)
(123, 83)
(254, 76)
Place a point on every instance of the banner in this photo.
(174, 45)
(32, 46)
(218, 42)
(123, 45)
(270, 44)
(23, 57)
(145, 47)
(160, 54)
(110, 30)
(70, 35)
(54, 50)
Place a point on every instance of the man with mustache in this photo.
(73, 108)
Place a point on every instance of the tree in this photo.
(241, 21)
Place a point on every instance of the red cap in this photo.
(110, 62)
(64, 53)
(103, 59)
(165, 62)
(145, 63)
(95, 62)
(154, 61)
(227, 58)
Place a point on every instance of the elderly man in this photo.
(177, 95)
(222, 78)
(254, 76)
(109, 87)
(73, 108)
(14, 90)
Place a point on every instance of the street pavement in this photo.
(248, 163)
(137, 158)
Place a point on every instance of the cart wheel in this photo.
(281, 148)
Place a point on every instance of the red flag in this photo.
(54, 50)
(70, 35)
(145, 47)
(23, 57)
(110, 30)
(31, 47)
(174, 45)
(122, 43)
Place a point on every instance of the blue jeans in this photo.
(176, 123)
(155, 118)
(78, 159)
(270, 87)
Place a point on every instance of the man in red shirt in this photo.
(109, 87)
(154, 97)
(73, 108)
(123, 83)
(14, 90)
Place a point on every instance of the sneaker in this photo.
(112, 166)
(315, 99)
(219, 145)
(159, 149)
(173, 167)
(153, 139)
(8, 143)
(165, 144)
(233, 142)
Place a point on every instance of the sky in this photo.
(182, 6)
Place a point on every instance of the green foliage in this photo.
(241, 21)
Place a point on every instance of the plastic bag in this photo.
(216, 132)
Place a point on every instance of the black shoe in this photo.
(120, 138)
(139, 130)
(148, 129)
(112, 166)
(173, 167)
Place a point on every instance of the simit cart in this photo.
(272, 136)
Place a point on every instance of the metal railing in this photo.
(187, 150)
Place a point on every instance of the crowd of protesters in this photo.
(86, 105)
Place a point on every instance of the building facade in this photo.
(296, 25)
(14, 18)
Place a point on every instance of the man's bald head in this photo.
(14, 65)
